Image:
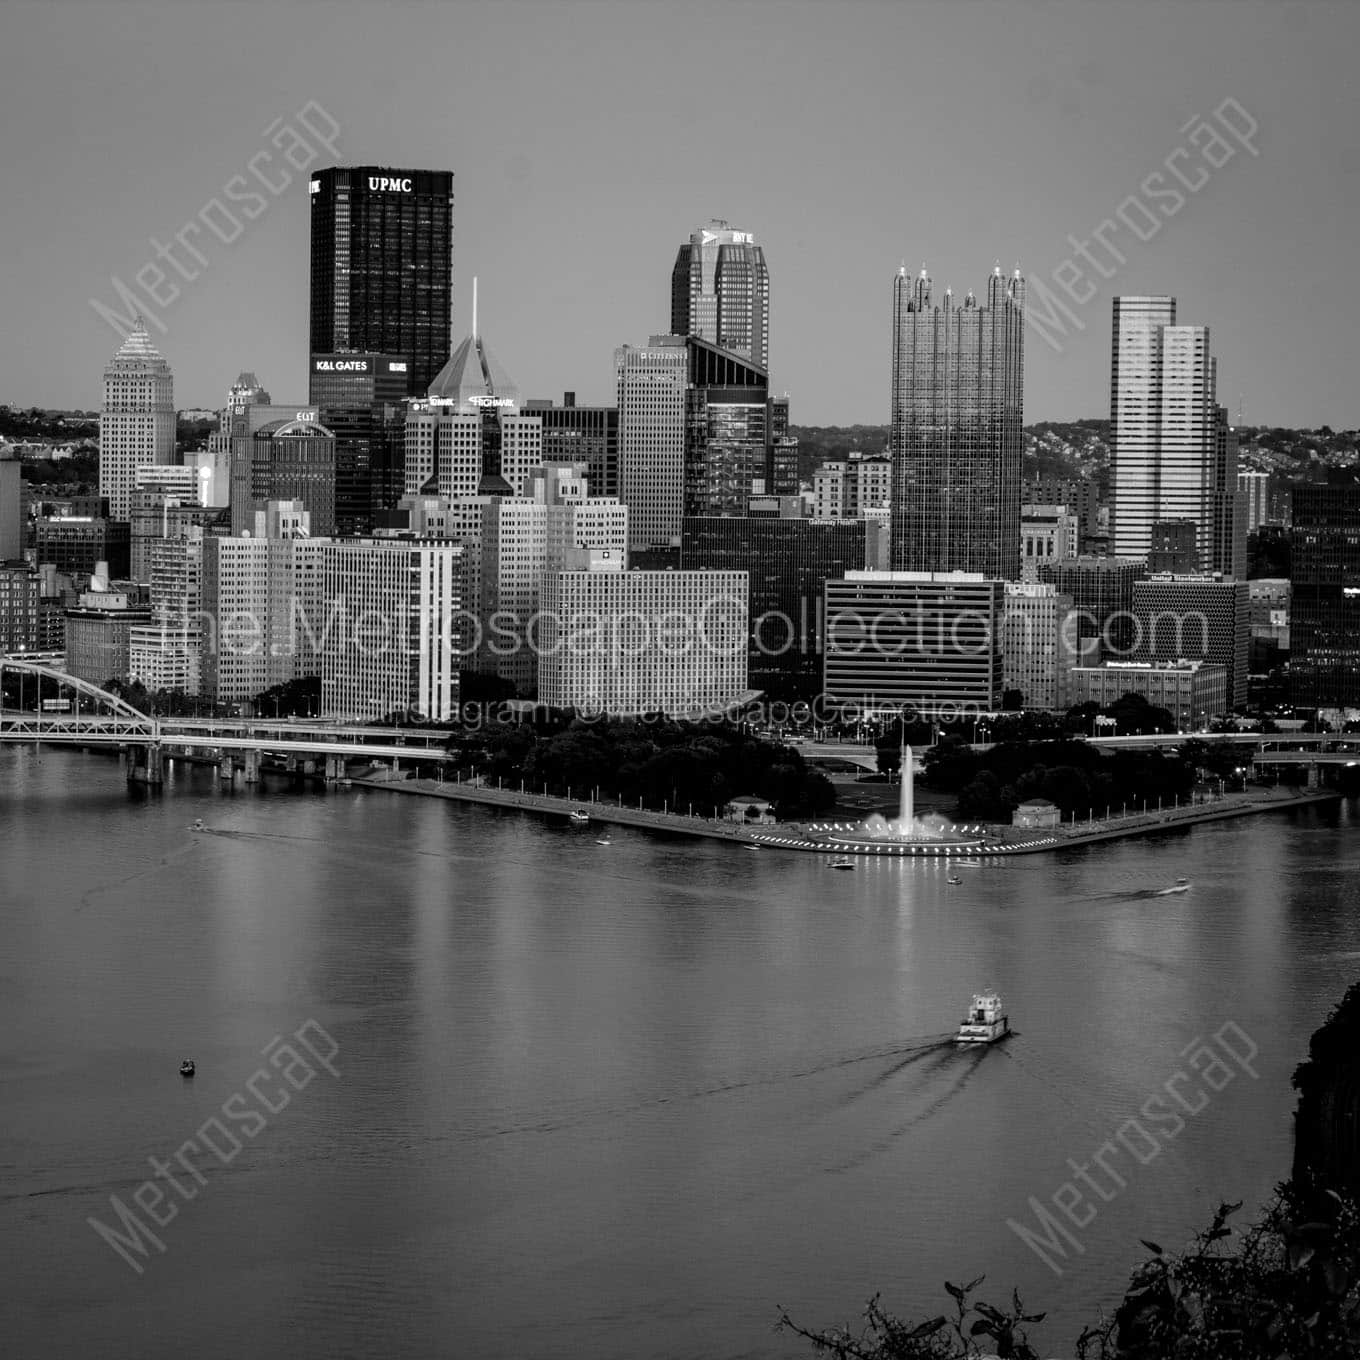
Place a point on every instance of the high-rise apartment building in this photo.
(652, 383)
(18, 607)
(166, 653)
(1324, 619)
(957, 409)
(1173, 454)
(262, 611)
(720, 292)
(1255, 491)
(382, 266)
(137, 419)
(924, 643)
(625, 643)
(396, 646)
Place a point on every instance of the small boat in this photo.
(748, 846)
(1179, 886)
(578, 816)
(603, 840)
(954, 879)
(844, 862)
(199, 825)
(186, 1068)
(985, 1022)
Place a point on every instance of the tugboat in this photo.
(985, 1022)
(954, 879)
(186, 1068)
(578, 816)
(1179, 886)
(844, 862)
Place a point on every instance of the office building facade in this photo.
(18, 607)
(847, 488)
(1048, 533)
(1038, 645)
(787, 562)
(581, 434)
(956, 442)
(1325, 606)
(1196, 618)
(137, 418)
(720, 292)
(76, 544)
(12, 508)
(625, 643)
(927, 643)
(1173, 454)
(1193, 692)
(652, 385)
(1102, 598)
(382, 266)
(361, 399)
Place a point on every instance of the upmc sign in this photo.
(383, 184)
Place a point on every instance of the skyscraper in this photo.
(956, 444)
(652, 383)
(1325, 612)
(137, 421)
(1173, 454)
(382, 265)
(720, 291)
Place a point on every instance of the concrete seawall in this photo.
(789, 836)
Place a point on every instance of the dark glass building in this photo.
(1324, 618)
(1102, 596)
(75, 544)
(360, 399)
(581, 434)
(382, 266)
(956, 443)
(789, 562)
(737, 441)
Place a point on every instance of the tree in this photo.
(1012, 700)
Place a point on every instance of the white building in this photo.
(1039, 645)
(395, 639)
(167, 652)
(651, 396)
(524, 539)
(847, 489)
(262, 614)
(630, 642)
(137, 420)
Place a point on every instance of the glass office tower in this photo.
(720, 291)
(956, 444)
(382, 266)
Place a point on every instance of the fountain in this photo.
(932, 834)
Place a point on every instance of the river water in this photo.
(608, 1101)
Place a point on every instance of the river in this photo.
(613, 1100)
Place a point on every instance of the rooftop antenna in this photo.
(474, 307)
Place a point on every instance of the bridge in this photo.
(83, 714)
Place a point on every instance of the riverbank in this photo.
(992, 840)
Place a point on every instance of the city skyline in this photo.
(1090, 131)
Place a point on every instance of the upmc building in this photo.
(382, 266)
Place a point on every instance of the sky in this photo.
(588, 138)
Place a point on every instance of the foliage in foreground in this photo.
(1286, 1288)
